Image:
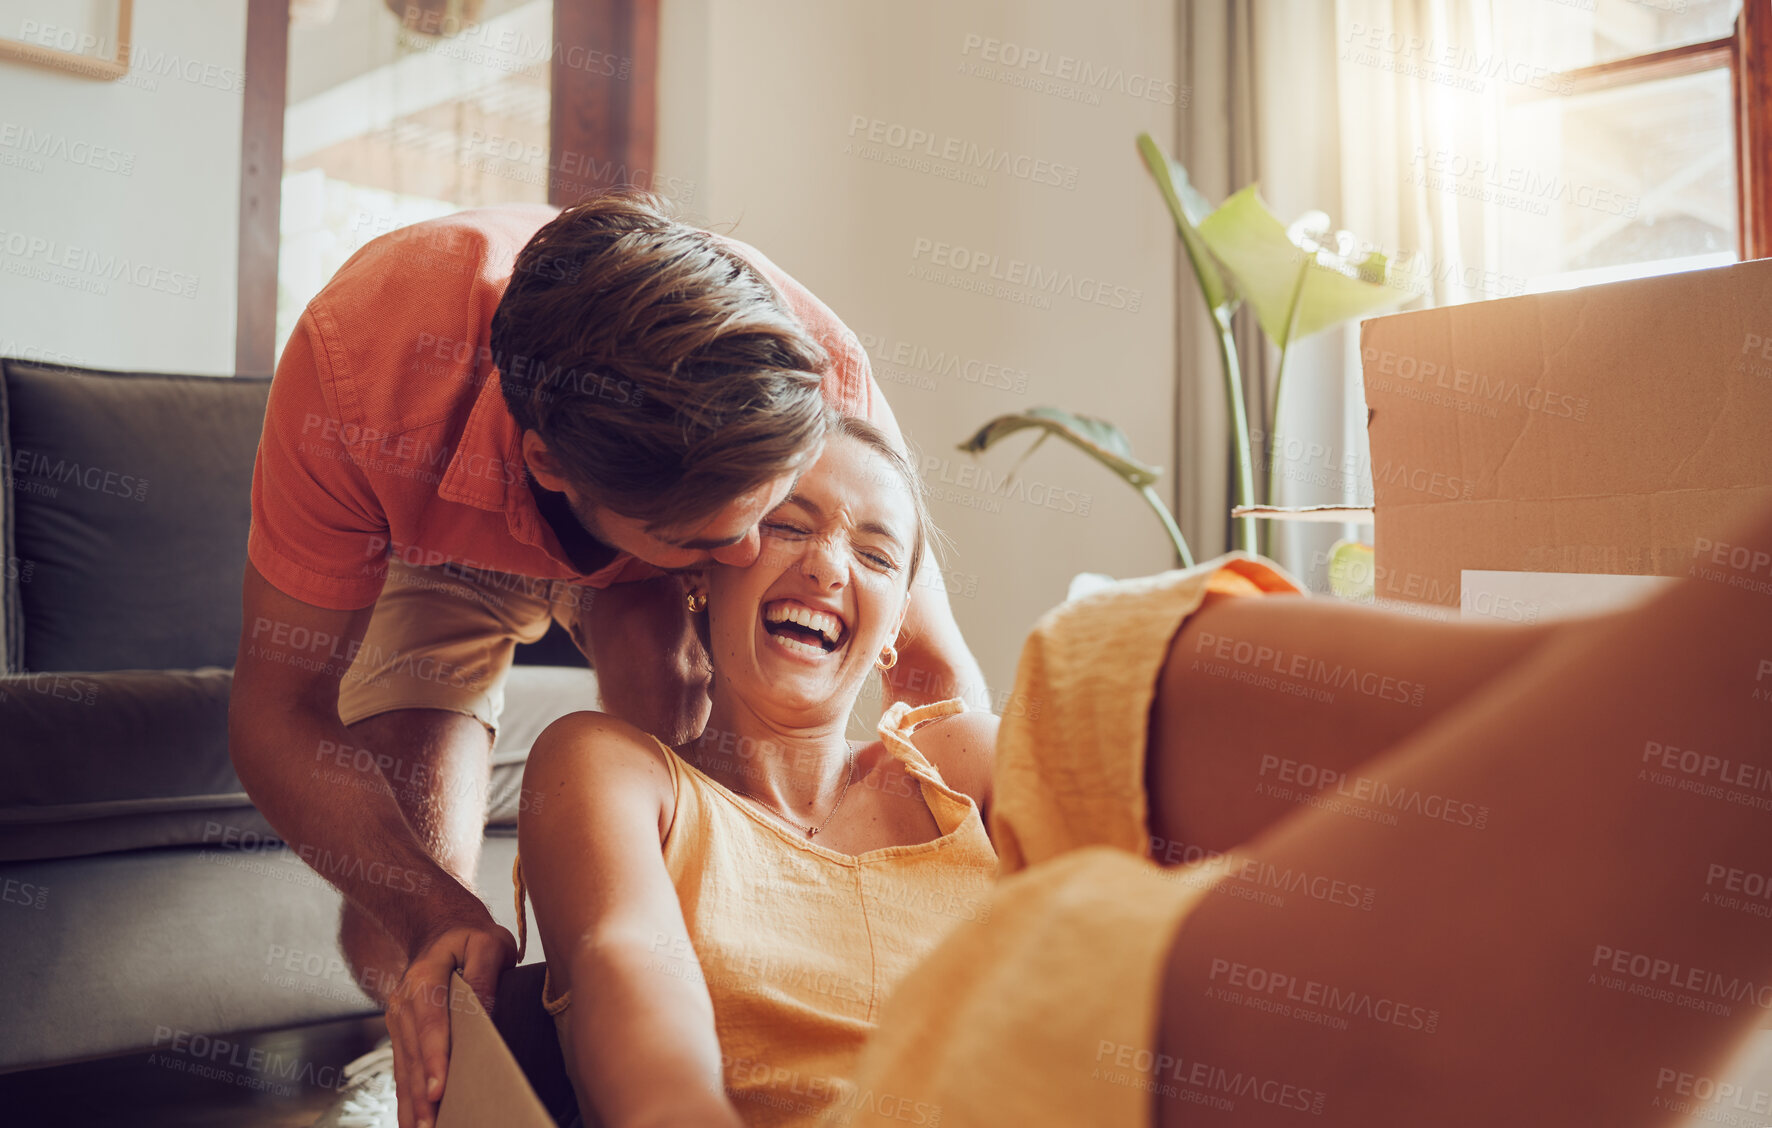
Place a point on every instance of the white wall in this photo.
(119, 200)
(758, 106)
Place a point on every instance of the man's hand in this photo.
(418, 1010)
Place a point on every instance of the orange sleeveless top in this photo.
(800, 945)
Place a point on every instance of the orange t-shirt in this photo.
(387, 433)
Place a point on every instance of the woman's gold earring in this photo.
(888, 658)
(697, 602)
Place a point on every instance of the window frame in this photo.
(1747, 54)
(613, 116)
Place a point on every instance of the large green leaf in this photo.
(1097, 438)
(1188, 208)
(1266, 261)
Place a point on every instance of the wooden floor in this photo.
(287, 1085)
(272, 1079)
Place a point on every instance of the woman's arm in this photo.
(643, 1046)
(934, 662)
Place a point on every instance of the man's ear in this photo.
(543, 466)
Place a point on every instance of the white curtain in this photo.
(1294, 95)
(1403, 117)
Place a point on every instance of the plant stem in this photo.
(1243, 528)
(1168, 519)
(1271, 490)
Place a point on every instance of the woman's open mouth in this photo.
(804, 631)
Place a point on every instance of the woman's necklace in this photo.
(811, 831)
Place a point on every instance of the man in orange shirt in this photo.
(482, 424)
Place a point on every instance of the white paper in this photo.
(1530, 597)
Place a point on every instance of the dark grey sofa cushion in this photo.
(112, 760)
(111, 955)
(129, 759)
(130, 501)
(129, 734)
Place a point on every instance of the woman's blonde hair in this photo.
(865, 432)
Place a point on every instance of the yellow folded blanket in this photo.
(1070, 754)
(1047, 1014)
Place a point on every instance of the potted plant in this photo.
(1298, 280)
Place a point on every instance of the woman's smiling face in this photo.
(796, 633)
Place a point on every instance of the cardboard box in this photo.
(1613, 429)
(485, 1084)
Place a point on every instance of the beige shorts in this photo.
(444, 638)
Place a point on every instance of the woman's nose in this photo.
(822, 562)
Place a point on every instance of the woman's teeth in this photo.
(795, 646)
(792, 622)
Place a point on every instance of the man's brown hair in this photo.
(665, 372)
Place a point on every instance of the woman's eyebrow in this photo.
(812, 507)
(881, 530)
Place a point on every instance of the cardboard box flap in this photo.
(1606, 429)
(485, 1084)
(1632, 388)
(1321, 514)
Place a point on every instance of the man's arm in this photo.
(282, 716)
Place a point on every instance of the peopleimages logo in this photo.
(978, 487)
(1445, 62)
(1514, 186)
(98, 266)
(1021, 276)
(915, 143)
(1484, 387)
(59, 146)
(31, 471)
(911, 356)
(1007, 60)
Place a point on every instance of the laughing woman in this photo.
(724, 919)
(1534, 938)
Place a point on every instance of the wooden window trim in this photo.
(608, 122)
(603, 108)
(1747, 54)
(1753, 117)
(1674, 62)
(261, 186)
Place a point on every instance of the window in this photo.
(362, 116)
(1627, 159)
(391, 122)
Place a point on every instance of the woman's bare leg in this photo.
(1262, 702)
(1560, 924)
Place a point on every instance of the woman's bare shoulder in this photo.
(588, 747)
(963, 748)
